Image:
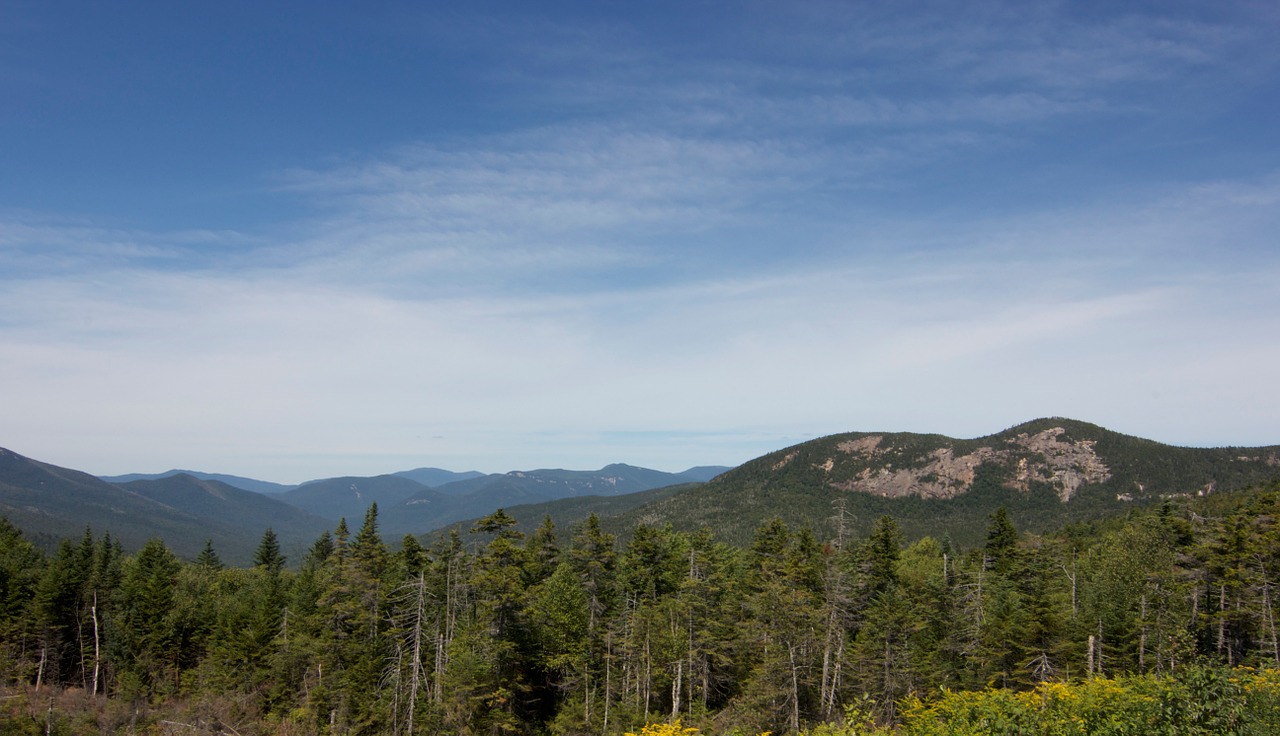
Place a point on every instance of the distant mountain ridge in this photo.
(186, 508)
(436, 477)
(611, 480)
(50, 502)
(235, 481)
(449, 481)
(349, 497)
(408, 503)
(407, 507)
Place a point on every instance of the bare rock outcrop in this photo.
(1044, 457)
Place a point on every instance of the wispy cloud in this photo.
(808, 220)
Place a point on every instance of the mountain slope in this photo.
(477, 497)
(566, 512)
(235, 481)
(1046, 473)
(703, 473)
(435, 477)
(550, 484)
(350, 497)
(50, 502)
(231, 510)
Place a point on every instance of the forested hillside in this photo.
(1045, 473)
(569, 632)
(53, 503)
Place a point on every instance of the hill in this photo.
(470, 499)
(235, 481)
(566, 512)
(436, 477)
(234, 516)
(550, 484)
(185, 508)
(1046, 473)
(49, 502)
(350, 497)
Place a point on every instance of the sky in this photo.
(296, 240)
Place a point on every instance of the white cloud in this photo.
(685, 257)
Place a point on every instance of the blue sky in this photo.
(294, 240)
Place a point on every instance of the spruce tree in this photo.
(268, 554)
(208, 558)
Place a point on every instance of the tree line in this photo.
(494, 631)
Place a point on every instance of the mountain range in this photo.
(186, 508)
(1046, 473)
(48, 503)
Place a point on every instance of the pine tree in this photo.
(20, 571)
(886, 621)
(357, 600)
(268, 554)
(559, 615)
(543, 552)
(782, 688)
(56, 605)
(1001, 549)
(593, 556)
(498, 583)
(144, 638)
(413, 556)
(209, 559)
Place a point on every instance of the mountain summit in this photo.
(1045, 472)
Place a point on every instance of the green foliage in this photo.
(145, 630)
(268, 554)
(20, 571)
(1198, 700)
(1163, 621)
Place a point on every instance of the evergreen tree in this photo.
(593, 556)
(209, 559)
(1001, 549)
(781, 689)
(413, 556)
(543, 552)
(497, 580)
(20, 571)
(354, 599)
(886, 622)
(56, 605)
(143, 637)
(268, 554)
(559, 617)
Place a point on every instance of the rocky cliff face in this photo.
(1049, 457)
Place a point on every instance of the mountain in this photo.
(235, 481)
(549, 484)
(50, 502)
(233, 512)
(434, 477)
(703, 473)
(448, 504)
(1046, 473)
(406, 506)
(185, 509)
(566, 512)
(349, 497)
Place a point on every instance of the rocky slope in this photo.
(1046, 472)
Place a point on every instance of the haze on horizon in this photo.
(291, 241)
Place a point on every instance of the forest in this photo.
(1161, 621)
